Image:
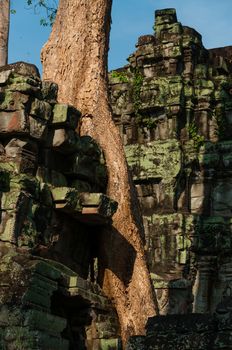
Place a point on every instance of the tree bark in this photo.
(75, 57)
(4, 30)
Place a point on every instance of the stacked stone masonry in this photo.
(173, 106)
(52, 205)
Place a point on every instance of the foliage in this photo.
(137, 84)
(120, 76)
(50, 6)
(136, 90)
(194, 135)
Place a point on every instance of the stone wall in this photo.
(52, 205)
(173, 106)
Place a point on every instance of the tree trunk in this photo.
(4, 30)
(75, 57)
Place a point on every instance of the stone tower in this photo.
(173, 106)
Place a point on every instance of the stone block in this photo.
(110, 344)
(165, 16)
(49, 91)
(11, 200)
(64, 141)
(12, 101)
(65, 116)
(148, 160)
(23, 154)
(22, 68)
(8, 229)
(17, 224)
(105, 206)
(46, 269)
(145, 40)
(200, 193)
(14, 123)
(93, 207)
(66, 198)
(136, 343)
(43, 321)
(41, 109)
(38, 129)
(24, 84)
(4, 76)
(45, 341)
(221, 199)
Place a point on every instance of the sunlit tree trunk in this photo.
(75, 57)
(4, 30)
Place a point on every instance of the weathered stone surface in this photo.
(22, 68)
(49, 91)
(23, 154)
(41, 109)
(177, 132)
(12, 101)
(65, 116)
(44, 222)
(93, 206)
(136, 343)
(15, 123)
(173, 105)
(64, 140)
(38, 128)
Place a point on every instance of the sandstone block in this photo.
(4, 76)
(136, 343)
(38, 128)
(65, 116)
(43, 321)
(165, 16)
(64, 140)
(24, 154)
(14, 123)
(22, 68)
(12, 101)
(41, 109)
(49, 91)
(24, 84)
(222, 199)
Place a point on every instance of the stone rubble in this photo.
(52, 204)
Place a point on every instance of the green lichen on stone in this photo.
(65, 115)
(110, 344)
(152, 160)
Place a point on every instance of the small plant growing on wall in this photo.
(195, 136)
(122, 77)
